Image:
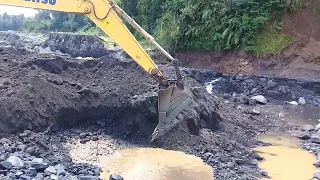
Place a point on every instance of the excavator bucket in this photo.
(171, 102)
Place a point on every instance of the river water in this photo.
(155, 164)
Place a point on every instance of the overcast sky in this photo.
(17, 10)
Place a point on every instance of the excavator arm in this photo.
(173, 98)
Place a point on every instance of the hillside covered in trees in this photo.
(251, 25)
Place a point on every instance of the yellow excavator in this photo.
(173, 97)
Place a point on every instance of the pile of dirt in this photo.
(76, 45)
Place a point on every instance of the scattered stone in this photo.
(283, 89)
(272, 84)
(88, 178)
(302, 101)
(18, 174)
(230, 165)
(50, 170)
(244, 99)
(317, 127)
(256, 111)
(315, 138)
(252, 102)
(227, 96)
(30, 150)
(259, 98)
(60, 170)
(316, 175)
(305, 135)
(293, 103)
(54, 177)
(15, 161)
(32, 171)
(115, 177)
(308, 127)
(5, 165)
(264, 173)
(39, 166)
(317, 164)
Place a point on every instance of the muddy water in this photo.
(303, 114)
(284, 159)
(155, 164)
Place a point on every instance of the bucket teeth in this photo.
(171, 102)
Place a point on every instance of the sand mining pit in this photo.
(70, 112)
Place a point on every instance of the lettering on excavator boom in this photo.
(51, 2)
(173, 98)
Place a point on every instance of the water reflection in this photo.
(155, 164)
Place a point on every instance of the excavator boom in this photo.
(172, 96)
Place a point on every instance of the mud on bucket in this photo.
(171, 102)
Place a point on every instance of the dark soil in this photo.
(112, 98)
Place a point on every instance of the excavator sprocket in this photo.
(171, 102)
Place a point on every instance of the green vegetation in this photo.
(270, 41)
(183, 24)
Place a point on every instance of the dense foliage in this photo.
(177, 24)
(45, 21)
(206, 24)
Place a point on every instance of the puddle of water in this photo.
(284, 159)
(303, 114)
(155, 164)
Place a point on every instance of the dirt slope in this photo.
(299, 60)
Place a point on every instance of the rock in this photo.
(39, 166)
(18, 174)
(305, 135)
(283, 89)
(316, 175)
(254, 90)
(50, 170)
(256, 111)
(5, 140)
(30, 150)
(32, 171)
(60, 170)
(54, 177)
(37, 160)
(272, 84)
(252, 102)
(227, 96)
(239, 77)
(15, 161)
(264, 173)
(315, 138)
(25, 177)
(317, 127)
(88, 178)
(317, 164)
(308, 127)
(230, 165)
(115, 177)
(5, 165)
(259, 98)
(293, 103)
(302, 101)
(244, 99)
